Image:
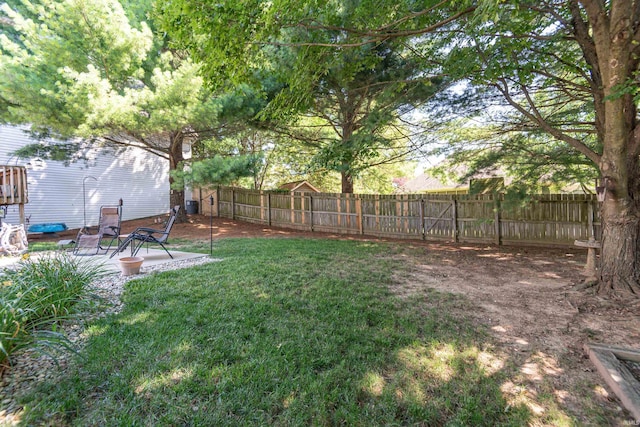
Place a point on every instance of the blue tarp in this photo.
(50, 227)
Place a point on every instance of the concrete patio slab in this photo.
(152, 257)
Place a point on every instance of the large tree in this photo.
(530, 53)
(569, 68)
(346, 104)
(85, 69)
(356, 108)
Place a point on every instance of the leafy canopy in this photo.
(344, 92)
(216, 170)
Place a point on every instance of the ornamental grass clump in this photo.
(36, 295)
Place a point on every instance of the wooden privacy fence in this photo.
(557, 219)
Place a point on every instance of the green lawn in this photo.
(281, 332)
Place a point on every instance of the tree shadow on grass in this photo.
(323, 343)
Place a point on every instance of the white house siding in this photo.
(140, 179)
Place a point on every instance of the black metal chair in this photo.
(144, 235)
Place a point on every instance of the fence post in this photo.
(454, 218)
(347, 208)
(359, 214)
(311, 212)
(233, 204)
(404, 214)
(422, 230)
(377, 211)
(497, 208)
(397, 218)
(269, 209)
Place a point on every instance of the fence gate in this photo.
(439, 219)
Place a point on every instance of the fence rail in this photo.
(556, 219)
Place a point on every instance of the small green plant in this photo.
(13, 317)
(36, 295)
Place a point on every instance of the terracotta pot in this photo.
(130, 265)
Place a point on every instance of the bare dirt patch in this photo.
(197, 227)
(527, 298)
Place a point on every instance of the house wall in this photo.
(140, 179)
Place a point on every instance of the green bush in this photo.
(13, 317)
(38, 293)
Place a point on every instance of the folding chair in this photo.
(144, 235)
(108, 228)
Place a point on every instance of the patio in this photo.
(152, 258)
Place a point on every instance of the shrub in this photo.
(37, 294)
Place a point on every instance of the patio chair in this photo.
(108, 228)
(144, 235)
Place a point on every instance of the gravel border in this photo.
(29, 367)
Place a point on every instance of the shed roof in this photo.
(299, 186)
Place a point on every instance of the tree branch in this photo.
(537, 118)
(377, 35)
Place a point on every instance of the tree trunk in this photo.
(620, 213)
(347, 182)
(176, 196)
(620, 256)
(613, 40)
(347, 110)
